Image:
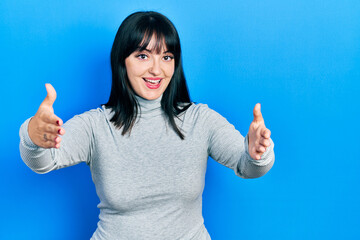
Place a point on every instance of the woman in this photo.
(147, 148)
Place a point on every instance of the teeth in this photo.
(152, 81)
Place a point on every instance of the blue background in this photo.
(300, 59)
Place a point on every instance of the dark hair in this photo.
(135, 33)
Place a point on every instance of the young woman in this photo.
(147, 148)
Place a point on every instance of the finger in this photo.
(254, 154)
(266, 133)
(49, 137)
(50, 97)
(265, 142)
(260, 149)
(53, 129)
(61, 131)
(257, 113)
(259, 154)
(50, 117)
(57, 140)
(51, 145)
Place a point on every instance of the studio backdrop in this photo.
(299, 59)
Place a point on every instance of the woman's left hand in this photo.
(259, 135)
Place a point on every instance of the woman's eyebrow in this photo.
(140, 49)
(150, 51)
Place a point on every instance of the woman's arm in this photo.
(228, 147)
(40, 138)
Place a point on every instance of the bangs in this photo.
(159, 45)
(165, 37)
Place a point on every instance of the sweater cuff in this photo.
(24, 136)
(265, 157)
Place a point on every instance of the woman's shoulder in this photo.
(200, 107)
(95, 118)
(199, 110)
(95, 114)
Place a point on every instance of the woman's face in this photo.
(150, 73)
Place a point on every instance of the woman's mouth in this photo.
(152, 83)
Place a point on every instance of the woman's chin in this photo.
(150, 96)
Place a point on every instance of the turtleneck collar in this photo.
(149, 108)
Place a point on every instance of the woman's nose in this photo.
(155, 67)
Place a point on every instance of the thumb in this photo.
(51, 96)
(257, 113)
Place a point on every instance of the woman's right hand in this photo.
(45, 127)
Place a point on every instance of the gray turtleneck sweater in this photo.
(150, 183)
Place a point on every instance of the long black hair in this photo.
(135, 33)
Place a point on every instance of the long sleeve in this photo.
(76, 146)
(228, 147)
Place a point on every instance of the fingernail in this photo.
(58, 122)
(59, 131)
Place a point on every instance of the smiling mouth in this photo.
(152, 83)
(157, 81)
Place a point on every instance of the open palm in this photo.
(259, 135)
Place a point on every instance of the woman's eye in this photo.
(168, 58)
(142, 56)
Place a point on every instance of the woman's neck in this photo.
(149, 108)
